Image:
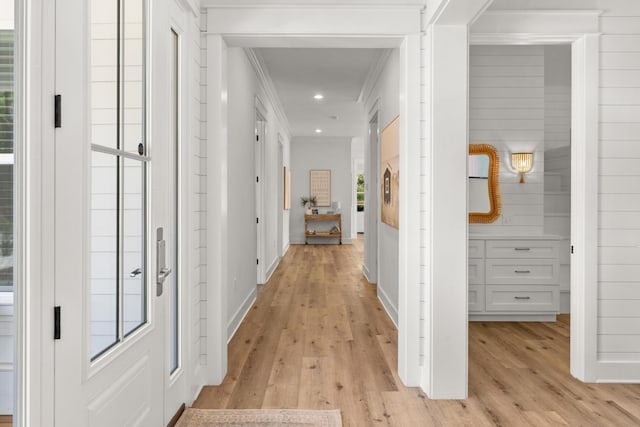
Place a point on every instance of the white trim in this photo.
(189, 6)
(538, 22)
(217, 209)
(240, 314)
(285, 250)
(34, 300)
(272, 268)
(584, 205)
(373, 75)
(584, 157)
(267, 83)
(392, 310)
(313, 23)
(409, 214)
(335, 4)
(365, 271)
(618, 372)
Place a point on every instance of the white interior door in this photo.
(111, 154)
(260, 130)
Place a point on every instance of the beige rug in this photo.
(259, 417)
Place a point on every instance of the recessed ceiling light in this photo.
(318, 130)
(318, 96)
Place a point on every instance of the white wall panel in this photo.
(507, 110)
(619, 224)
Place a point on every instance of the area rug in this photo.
(259, 417)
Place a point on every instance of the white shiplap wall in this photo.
(619, 201)
(506, 110)
(199, 202)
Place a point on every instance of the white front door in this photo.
(113, 219)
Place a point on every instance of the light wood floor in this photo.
(6, 421)
(317, 338)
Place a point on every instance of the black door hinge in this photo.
(56, 322)
(257, 261)
(257, 179)
(257, 220)
(571, 248)
(57, 114)
(257, 137)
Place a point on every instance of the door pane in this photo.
(104, 252)
(104, 73)
(174, 279)
(133, 90)
(7, 119)
(133, 258)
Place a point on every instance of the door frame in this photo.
(372, 194)
(315, 26)
(585, 44)
(34, 297)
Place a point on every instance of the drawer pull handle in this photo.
(522, 297)
(522, 271)
(523, 249)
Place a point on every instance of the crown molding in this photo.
(267, 83)
(373, 75)
(543, 21)
(190, 6)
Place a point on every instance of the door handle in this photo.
(136, 272)
(161, 264)
(162, 274)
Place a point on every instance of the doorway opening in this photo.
(520, 265)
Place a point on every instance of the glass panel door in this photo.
(118, 172)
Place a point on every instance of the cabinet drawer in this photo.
(476, 271)
(476, 249)
(476, 298)
(523, 249)
(521, 298)
(522, 272)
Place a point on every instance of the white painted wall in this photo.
(243, 87)
(385, 97)
(506, 110)
(332, 153)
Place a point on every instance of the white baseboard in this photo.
(391, 310)
(365, 271)
(272, 268)
(240, 314)
(618, 372)
(285, 250)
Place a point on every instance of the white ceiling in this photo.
(338, 74)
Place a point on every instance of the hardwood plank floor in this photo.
(318, 338)
(6, 421)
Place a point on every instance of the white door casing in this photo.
(314, 26)
(580, 29)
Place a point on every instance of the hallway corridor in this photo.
(317, 338)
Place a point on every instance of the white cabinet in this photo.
(514, 279)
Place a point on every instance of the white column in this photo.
(217, 214)
(445, 364)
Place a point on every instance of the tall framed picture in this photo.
(320, 186)
(390, 173)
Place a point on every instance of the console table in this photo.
(337, 218)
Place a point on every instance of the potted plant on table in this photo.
(307, 202)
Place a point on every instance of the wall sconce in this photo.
(522, 162)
